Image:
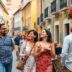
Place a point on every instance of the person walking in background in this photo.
(6, 48)
(21, 44)
(17, 44)
(67, 53)
(57, 65)
(21, 40)
(44, 50)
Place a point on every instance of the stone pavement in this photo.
(14, 62)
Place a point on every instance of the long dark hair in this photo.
(49, 36)
(35, 33)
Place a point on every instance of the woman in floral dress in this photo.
(29, 51)
(44, 50)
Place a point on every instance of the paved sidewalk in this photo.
(14, 63)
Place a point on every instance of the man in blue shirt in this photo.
(6, 48)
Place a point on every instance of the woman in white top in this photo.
(29, 51)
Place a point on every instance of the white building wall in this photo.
(25, 2)
(1, 10)
(18, 21)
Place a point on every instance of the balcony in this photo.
(46, 12)
(49, 11)
(41, 17)
(63, 3)
(53, 6)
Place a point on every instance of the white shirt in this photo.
(67, 52)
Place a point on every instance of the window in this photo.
(38, 21)
(53, 6)
(46, 12)
(63, 3)
(41, 17)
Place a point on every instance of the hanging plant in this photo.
(70, 12)
(67, 13)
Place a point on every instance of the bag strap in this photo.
(32, 48)
(26, 57)
(26, 45)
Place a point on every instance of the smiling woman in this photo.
(44, 51)
(28, 51)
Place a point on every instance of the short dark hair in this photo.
(1, 25)
(35, 33)
(49, 36)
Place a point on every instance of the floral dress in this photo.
(44, 62)
(30, 63)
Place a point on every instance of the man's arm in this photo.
(65, 46)
(13, 44)
(65, 49)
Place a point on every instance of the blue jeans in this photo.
(6, 67)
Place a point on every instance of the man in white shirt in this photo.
(67, 52)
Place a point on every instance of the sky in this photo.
(15, 4)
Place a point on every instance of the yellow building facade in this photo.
(29, 13)
(39, 12)
(4, 13)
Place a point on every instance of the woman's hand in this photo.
(42, 50)
(38, 50)
(47, 48)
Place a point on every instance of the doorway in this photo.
(57, 33)
(67, 29)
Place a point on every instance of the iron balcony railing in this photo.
(63, 3)
(46, 12)
(53, 6)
